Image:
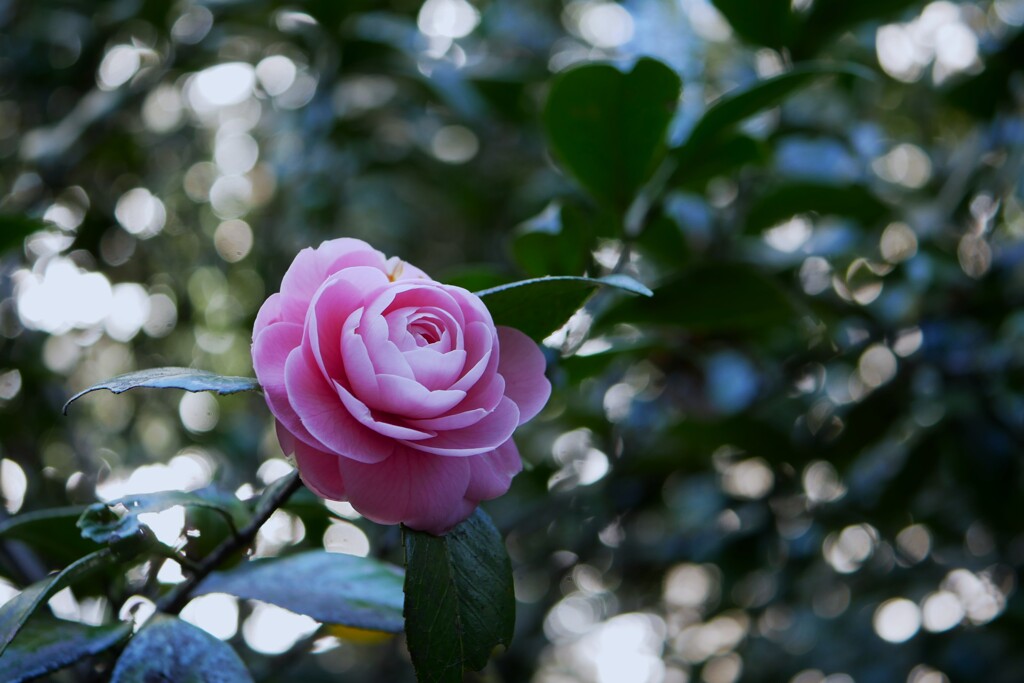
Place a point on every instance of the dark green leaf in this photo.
(330, 587)
(717, 297)
(18, 609)
(786, 201)
(826, 20)
(169, 649)
(459, 603)
(52, 532)
(46, 644)
(764, 22)
(719, 157)
(608, 128)
(557, 242)
(540, 306)
(188, 379)
(741, 104)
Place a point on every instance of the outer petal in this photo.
(270, 312)
(323, 415)
(320, 471)
(522, 365)
(491, 474)
(423, 491)
(312, 267)
(478, 438)
(269, 352)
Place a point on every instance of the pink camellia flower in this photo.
(394, 392)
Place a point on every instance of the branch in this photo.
(274, 497)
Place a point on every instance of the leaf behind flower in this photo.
(540, 306)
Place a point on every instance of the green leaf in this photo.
(18, 609)
(540, 306)
(608, 127)
(103, 522)
(712, 298)
(826, 20)
(557, 242)
(46, 644)
(764, 22)
(169, 649)
(721, 156)
(739, 105)
(51, 532)
(786, 201)
(188, 379)
(330, 587)
(459, 602)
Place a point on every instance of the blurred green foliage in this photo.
(799, 461)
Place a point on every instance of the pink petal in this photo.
(483, 436)
(361, 412)
(423, 491)
(270, 351)
(325, 417)
(433, 369)
(490, 474)
(270, 312)
(410, 399)
(333, 304)
(522, 365)
(362, 379)
(384, 355)
(312, 267)
(320, 471)
(480, 357)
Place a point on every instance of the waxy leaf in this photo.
(332, 588)
(169, 649)
(739, 105)
(459, 602)
(46, 644)
(188, 379)
(51, 532)
(609, 127)
(712, 298)
(786, 201)
(826, 20)
(540, 306)
(764, 22)
(18, 609)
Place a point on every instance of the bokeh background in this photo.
(800, 461)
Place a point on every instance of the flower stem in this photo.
(276, 495)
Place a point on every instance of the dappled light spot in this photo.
(822, 483)
(789, 236)
(345, 537)
(233, 240)
(897, 620)
(725, 669)
(13, 485)
(216, 613)
(272, 630)
(941, 611)
(898, 243)
(220, 86)
(691, 585)
(281, 530)
(163, 109)
(876, 366)
(450, 19)
(119, 64)
(914, 543)
(602, 24)
(849, 549)
(922, 673)
(140, 213)
(199, 412)
(905, 164)
(276, 74)
(751, 479)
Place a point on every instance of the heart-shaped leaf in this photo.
(765, 22)
(540, 306)
(608, 127)
(169, 649)
(459, 602)
(332, 588)
(188, 379)
(46, 644)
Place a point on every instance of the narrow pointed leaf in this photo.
(169, 649)
(51, 532)
(739, 105)
(540, 306)
(18, 609)
(46, 645)
(608, 127)
(459, 602)
(332, 588)
(188, 379)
